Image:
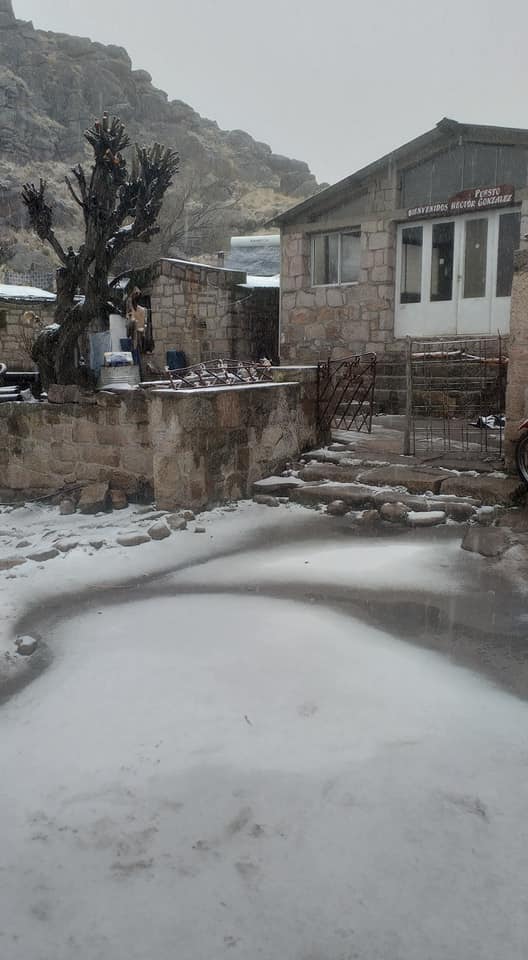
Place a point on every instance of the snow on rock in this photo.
(26, 646)
(394, 512)
(429, 519)
(266, 500)
(159, 531)
(40, 556)
(132, 539)
(94, 498)
(276, 484)
(176, 522)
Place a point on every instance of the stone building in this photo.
(420, 242)
(21, 308)
(209, 312)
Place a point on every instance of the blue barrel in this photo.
(176, 359)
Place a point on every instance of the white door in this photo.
(477, 251)
(454, 275)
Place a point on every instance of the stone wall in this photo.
(193, 310)
(317, 322)
(185, 448)
(517, 391)
(15, 331)
(211, 446)
(321, 321)
(45, 445)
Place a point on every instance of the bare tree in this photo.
(194, 220)
(119, 207)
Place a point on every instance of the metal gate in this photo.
(457, 393)
(346, 393)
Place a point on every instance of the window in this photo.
(442, 261)
(3, 319)
(335, 258)
(509, 240)
(411, 265)
(475, 258)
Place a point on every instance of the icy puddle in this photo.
(210, 776)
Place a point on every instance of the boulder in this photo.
(66, 545)
(66, 508)
(42, 555)
(176, 522)
(368, 518)
(489, 490)
(486, 516)
(159, 531)
(132, 539)
(459, 510)
(119, 499)
(488, 541)
(56, 393)
(430, 519)
(411, 501)
(26, 645)
(199, 530)
(94, 498)
(276, 484)
(23, 544)
(266, 501)
(354, 494)
(187, 515)
(337, 508)
(394, 512)
(96, 544)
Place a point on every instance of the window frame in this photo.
(355, 231)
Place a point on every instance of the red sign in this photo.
(468, 201)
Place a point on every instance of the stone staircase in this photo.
(376, 492)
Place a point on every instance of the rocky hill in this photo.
(51, 87)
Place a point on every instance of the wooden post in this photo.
(407, 435)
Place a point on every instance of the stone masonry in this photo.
(205, 312)
(517, 392)
(336, 321)
(188, 448)
(16, 330)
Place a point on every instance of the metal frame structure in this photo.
(457, 396)
(345, 393)
(219, 373)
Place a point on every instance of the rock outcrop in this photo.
(51, 87)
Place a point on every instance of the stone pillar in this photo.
(517, 391)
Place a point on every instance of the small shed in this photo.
(21, 309)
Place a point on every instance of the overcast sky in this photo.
(334, 82)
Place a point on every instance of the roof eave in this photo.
(445, 129)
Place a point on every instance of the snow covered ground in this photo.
(211, 772)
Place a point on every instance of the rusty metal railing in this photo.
(220, 373)
(346, 390)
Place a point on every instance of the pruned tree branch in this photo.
(41, 216)
(119, 207)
